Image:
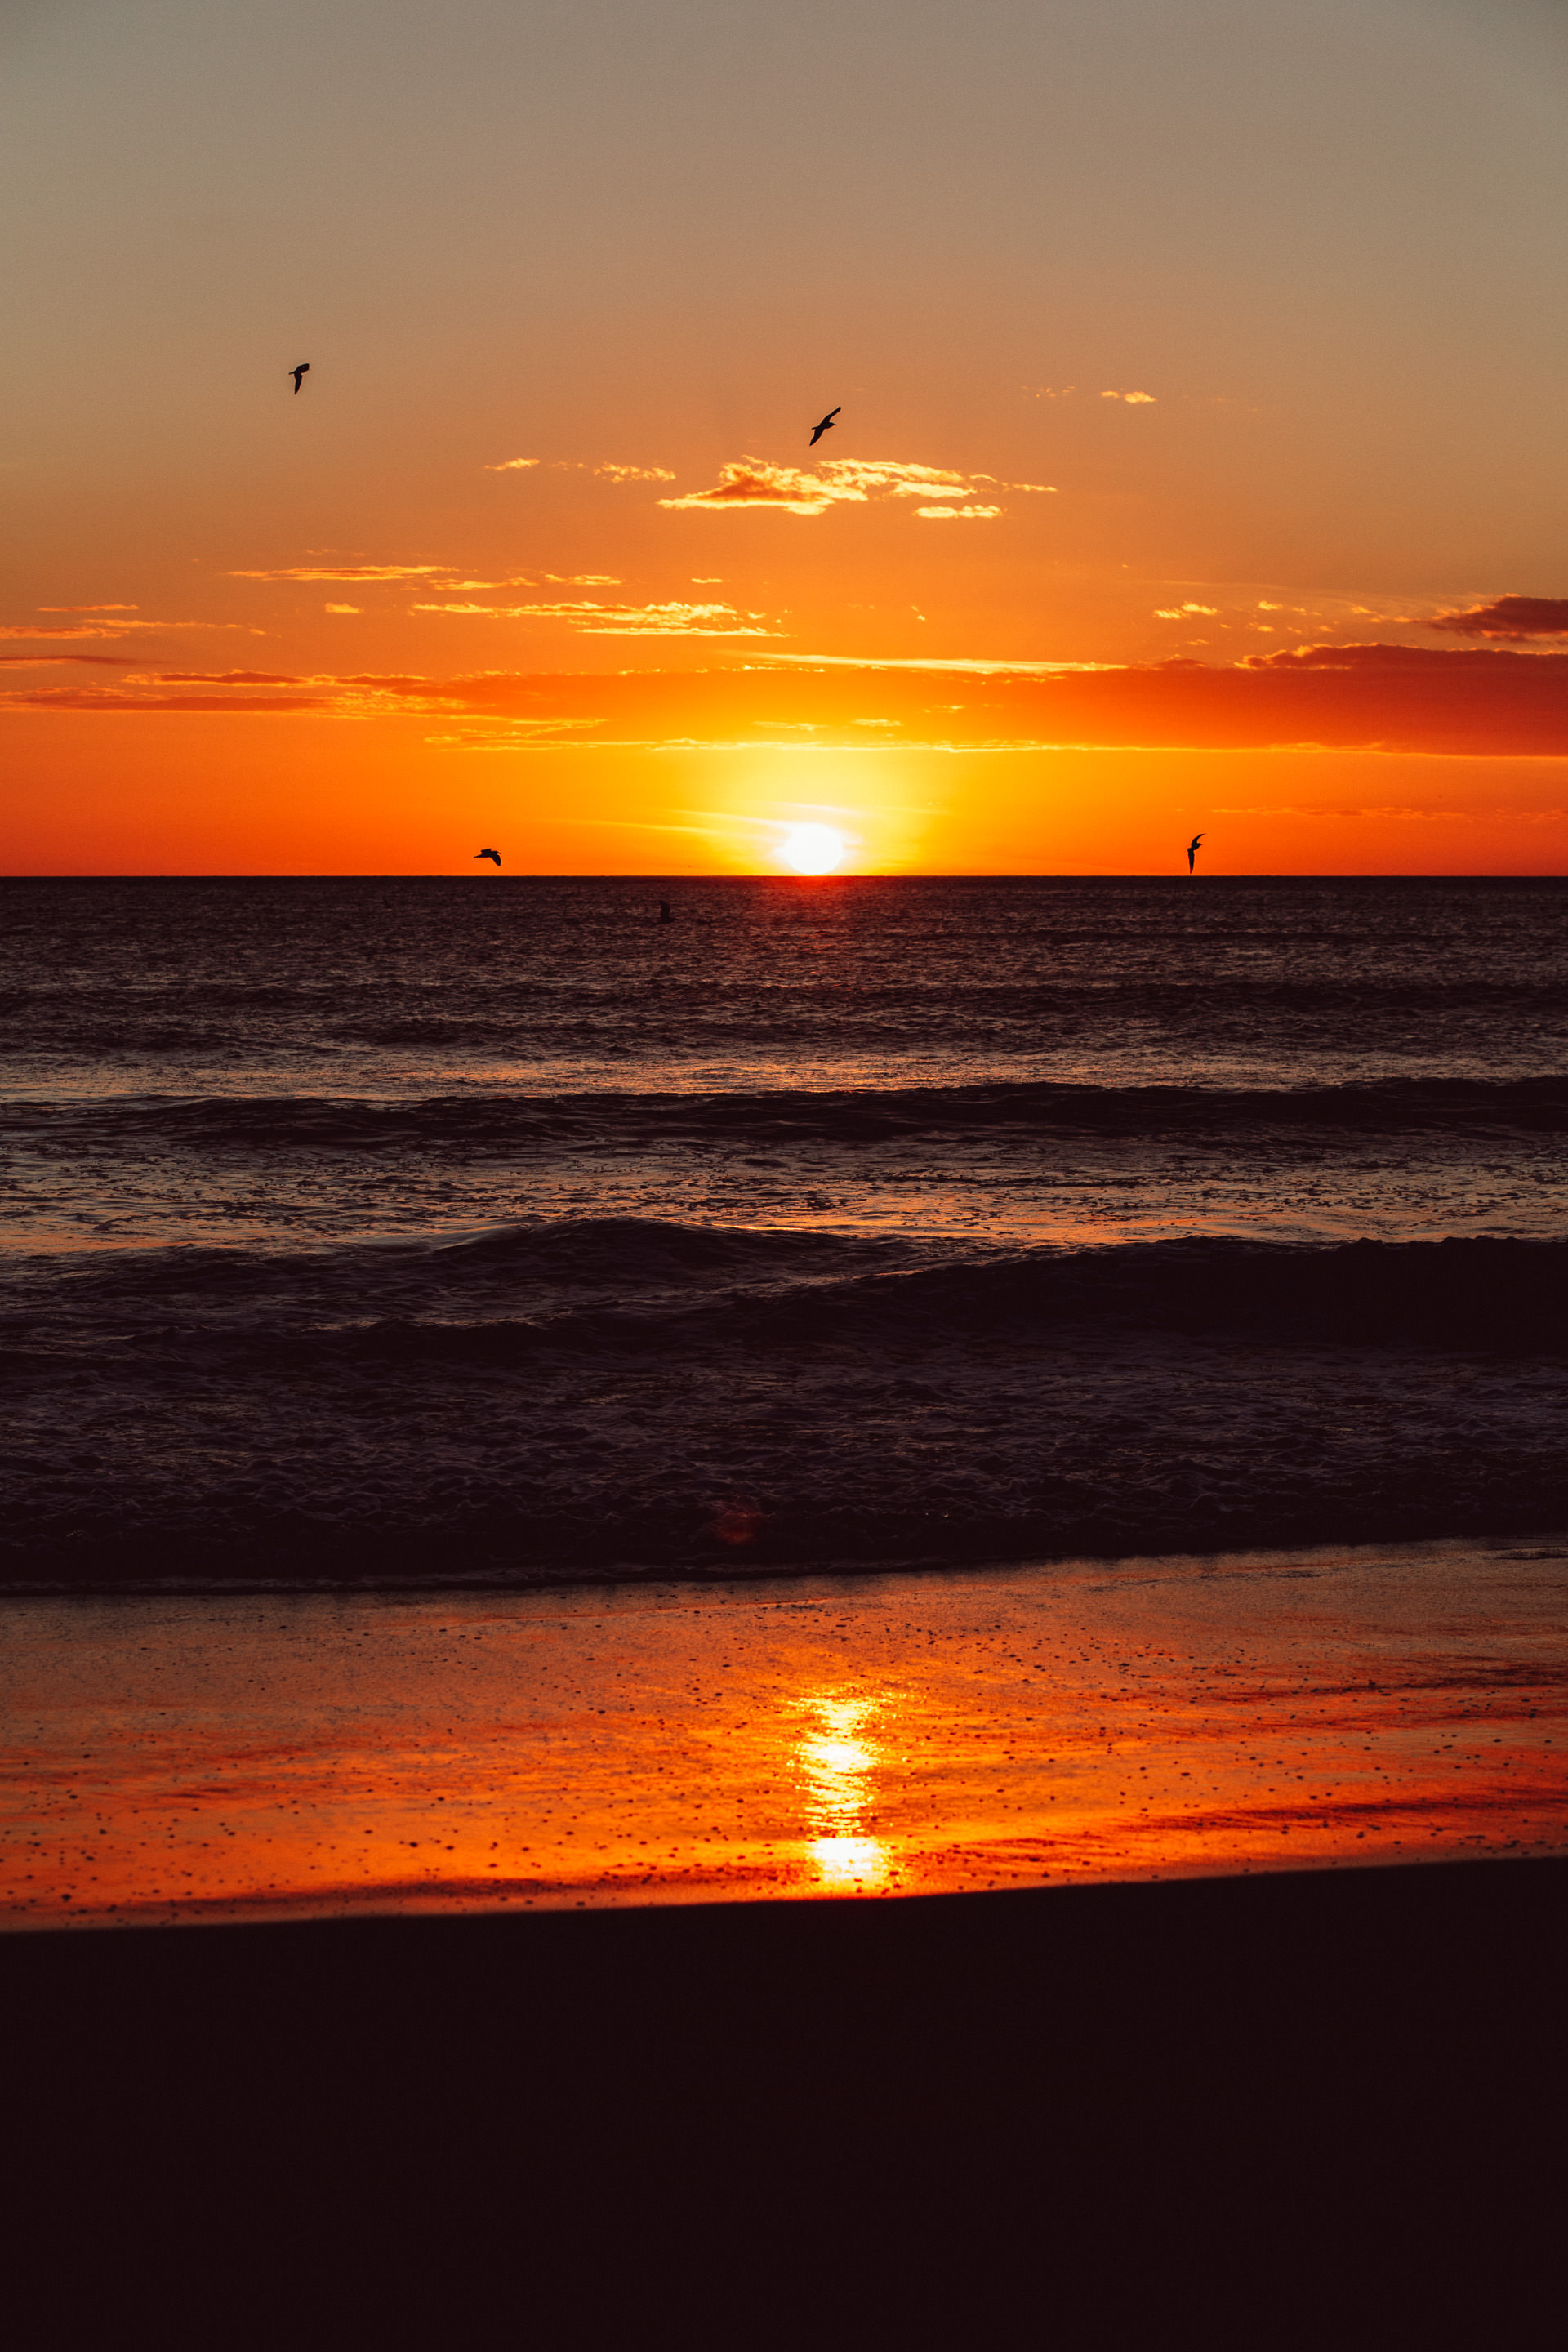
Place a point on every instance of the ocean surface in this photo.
(495, 1230)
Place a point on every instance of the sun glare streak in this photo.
(813, 849)
(837, 1761)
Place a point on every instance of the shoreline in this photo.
(1550, 1538)
(184, 1756)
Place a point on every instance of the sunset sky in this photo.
(1202, 462)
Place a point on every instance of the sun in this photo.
(813, 849)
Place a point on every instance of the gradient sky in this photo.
(1204, 370)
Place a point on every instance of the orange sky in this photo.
(1200, 462)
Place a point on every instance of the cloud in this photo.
(348, 571)
(226, 677)
(114, 628)
(753, 482)
(111, 700)
(512, 466)
(557, 579)
(984, 666)
(89, 608)
(843, 481)
(958, 514)
(1516, 617)
(1133, 399)
(1180, 611)
(634, 473)
(343, 608)
(593, 620)
(53, 661)
(1471, 701)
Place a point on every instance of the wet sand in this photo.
(299, 1755)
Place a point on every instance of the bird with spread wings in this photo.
(826, 426)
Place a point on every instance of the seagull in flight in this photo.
(826, 426)
(488, 852)
(1191, 851)
(302, 370)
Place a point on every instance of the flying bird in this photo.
(303, 369)
(826, 426)
(494, 853)
(1191, 851)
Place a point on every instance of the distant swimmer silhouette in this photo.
(494, 853)
(1193, 852)
(302, 370)
(818, 430)
(664, 914)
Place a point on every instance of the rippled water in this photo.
(504, 1225)
(268, 1062)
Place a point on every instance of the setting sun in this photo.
(813, 849)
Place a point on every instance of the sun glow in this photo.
(813, 849)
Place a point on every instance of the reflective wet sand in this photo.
(288, 1755)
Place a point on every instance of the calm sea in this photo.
(500, 1227)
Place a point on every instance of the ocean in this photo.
(497, 1231)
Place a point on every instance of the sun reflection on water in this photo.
(837, 1758)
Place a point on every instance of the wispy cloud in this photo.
(363, 572)
(1515, 617)
(983, 665)
(633, 473)
(1182, 611)
(1133, 399)
(89, 608)
(513, 465)
(1465, 700)
(113, 628)
(958, 514)
(674, 619)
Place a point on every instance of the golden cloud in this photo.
(113, 628)
(958, 514)
(753, 482)
(347, 571)
(634, 473)
(595, 620)
(513, 466)
(840, 482)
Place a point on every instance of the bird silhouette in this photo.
(494, 853)
(1193, 852)
(826, 426)
(303, 369)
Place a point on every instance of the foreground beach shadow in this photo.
(1295, 2109)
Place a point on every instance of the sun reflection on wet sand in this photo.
(836, 1760)
(264, 1756)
